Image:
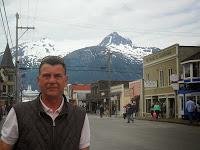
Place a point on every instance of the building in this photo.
(189, 84)
(120, 97)
(79, 92)
(136, 88)
(7, 78)
(100, 94)
(160, 70)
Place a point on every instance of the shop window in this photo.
(198, 100)
(187, 70)
(196, 69)
(148, 105)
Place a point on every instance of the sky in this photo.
(74, 24)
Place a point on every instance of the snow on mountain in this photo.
(31, 52)
(117, 43)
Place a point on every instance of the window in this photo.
(161, 76)
(4, 89)
(187, 70)
(148, 105)
(169, 74)
(196, 69)
(10, 89)
(147, 76)
(10, 78)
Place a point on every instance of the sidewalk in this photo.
(169, 120)
(172, 120)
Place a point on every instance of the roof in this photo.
(193, 57)
(81, 87)
(6, 61)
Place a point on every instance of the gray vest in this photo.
(37, 131)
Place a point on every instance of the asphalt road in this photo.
(116, 134)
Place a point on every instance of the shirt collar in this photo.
(47, 109)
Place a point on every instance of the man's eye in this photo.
(46, 76)
(57, 76)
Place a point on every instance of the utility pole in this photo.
(16, 59)
(109, 81)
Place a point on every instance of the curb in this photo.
(172, 121)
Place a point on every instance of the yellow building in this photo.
(120, 97)
(161, 74)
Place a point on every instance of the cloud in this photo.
(77, 22)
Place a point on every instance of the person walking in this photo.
(49, 122)
(190, 109)
(101, 111)
(129, 113)
(157, 109)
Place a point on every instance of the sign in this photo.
(175, 86)
(174, 78)
(150, 84)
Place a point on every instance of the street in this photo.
(115, 134)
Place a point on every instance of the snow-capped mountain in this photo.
(31, 52)
(87, 64)
(117, 43)
(126, 60)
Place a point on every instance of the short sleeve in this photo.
(85, 134)
(9, 132)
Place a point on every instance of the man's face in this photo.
(52, 80)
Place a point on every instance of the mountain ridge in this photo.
(89, 64)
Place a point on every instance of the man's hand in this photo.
(4, 146)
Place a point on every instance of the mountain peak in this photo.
(115, 39)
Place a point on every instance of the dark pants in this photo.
(124, 115)
(157, 113)
(190, 116)
(130, 117)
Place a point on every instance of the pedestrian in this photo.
(152, 110)
(198, 111)
(49, 122)
(190, 109)
(157, 109)
(101, 111)
(124, 112)
(129, 113)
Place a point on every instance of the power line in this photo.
(7, 22)
(4, 26)
(87, 70)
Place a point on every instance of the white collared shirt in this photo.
(9, 132)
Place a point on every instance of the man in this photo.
(49, 122)
(101, 111)
(130, 111)
(190, 109)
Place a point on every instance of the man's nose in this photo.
(52, 78)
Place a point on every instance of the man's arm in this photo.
(4, 146)
(87, 148)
